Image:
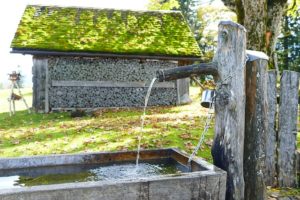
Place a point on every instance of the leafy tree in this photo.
(209, 16)
(288, 46)
(262, 20)
(189, 11)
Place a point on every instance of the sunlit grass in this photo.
(108, 130)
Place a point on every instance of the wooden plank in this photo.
(183, 87)
(183, 91)
(56, 83)
(39, 83)
(271, 141)
(212, 185)
(287, 130)
(256, 127)
(105, 55)
(46, 87)
(222, 186)
(228, 145)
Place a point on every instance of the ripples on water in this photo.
(88, 172)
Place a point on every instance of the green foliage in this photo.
(288, 46)
(209, 16)
(109, 31)
(163, 5)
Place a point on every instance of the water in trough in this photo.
(88, 172)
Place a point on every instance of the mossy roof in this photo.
(72, 29)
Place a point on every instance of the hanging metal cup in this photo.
(207, 98)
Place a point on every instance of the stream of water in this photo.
(143, 121)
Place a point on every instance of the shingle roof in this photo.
(71, 29)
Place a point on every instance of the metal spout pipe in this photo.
(187, 71)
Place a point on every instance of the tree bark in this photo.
(262, 20)
(228, 145)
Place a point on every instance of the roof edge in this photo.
(105, 8)
(92, 54)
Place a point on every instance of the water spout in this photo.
(187, 71)
(143, 121)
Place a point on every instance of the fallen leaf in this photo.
(189, 145)
(122, 148)
(89, 141)
(186, 136)
(209, 143)
(16, 142)
(159, 144)
(144, 146)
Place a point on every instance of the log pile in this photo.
(100, 69)
(91, 69)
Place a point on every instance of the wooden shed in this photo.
(89, 58)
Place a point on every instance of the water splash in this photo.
(143, 121)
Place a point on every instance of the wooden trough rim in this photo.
(211, 171)
(102, 158)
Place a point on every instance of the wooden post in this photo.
(287, 130)
(46, 88)
(228, 145)
(256, 127)
(271, 142)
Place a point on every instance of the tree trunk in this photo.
(262, 20)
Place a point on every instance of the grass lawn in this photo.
(109, 130)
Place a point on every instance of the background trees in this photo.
(272, 26)
(288, 46)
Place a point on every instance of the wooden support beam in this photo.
(228, 145)
(47, 85)
(287, 129)
(105, 55)
(110, 84)
(271, 140)
(39, 81)
(256, 127)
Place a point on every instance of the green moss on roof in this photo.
(70, 29)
